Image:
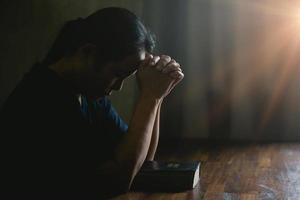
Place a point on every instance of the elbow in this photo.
(124, 184)
(116, 177)
(131, 169)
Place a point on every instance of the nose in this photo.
(118, 84)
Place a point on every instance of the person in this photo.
(62, 135)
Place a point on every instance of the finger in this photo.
(174, 83)
(147, 60)
(164, 60)
(173, 71)
(172, 87)
(172, 61)
(154, 60)
(176, 80)
(148, 55)
(177, 75)
(172, 66)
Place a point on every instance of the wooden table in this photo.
(230, 171)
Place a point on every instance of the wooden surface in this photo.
(235, 171)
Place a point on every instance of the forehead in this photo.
(132, 62)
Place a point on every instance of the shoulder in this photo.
(34, 82)
(24, 92)
(38, 91)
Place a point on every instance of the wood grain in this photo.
(234, 171)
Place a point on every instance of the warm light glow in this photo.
(298, 17)
(253, 68)
(287, 37)
(273, 53)
(279, 47)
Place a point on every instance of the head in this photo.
(104, 49)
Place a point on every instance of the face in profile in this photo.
(102, 80)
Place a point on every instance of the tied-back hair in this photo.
(116, 32)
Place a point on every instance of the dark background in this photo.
(240, 58)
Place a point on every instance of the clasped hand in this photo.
(158, 75)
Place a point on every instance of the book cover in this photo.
(162, 176)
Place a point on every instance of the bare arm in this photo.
(133, 150)
(170, 68)
(155, 136)
(141, 141)
(116, 175)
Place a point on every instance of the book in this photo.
(163, 176)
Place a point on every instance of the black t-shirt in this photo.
(52, 142)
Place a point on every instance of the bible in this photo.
(160, 176)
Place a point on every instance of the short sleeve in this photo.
(109, 127)
(112, 117)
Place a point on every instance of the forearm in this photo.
(155, 135)
(155, 78)
(133, 150)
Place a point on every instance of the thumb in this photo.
(147, 60)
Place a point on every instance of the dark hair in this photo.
(116, 32)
